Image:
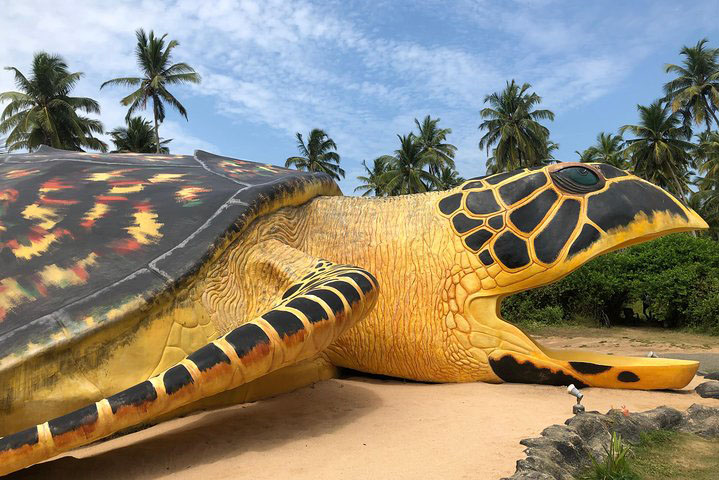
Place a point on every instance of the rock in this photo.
(712, 376)
(564, 451)
(708, 389)
(701, 420)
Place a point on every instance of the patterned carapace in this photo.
(75, 226)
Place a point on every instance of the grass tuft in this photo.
(615, 465)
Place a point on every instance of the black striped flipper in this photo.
(311, 315)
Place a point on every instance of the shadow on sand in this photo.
(230, 432)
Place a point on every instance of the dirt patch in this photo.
(626, 340)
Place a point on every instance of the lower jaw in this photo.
(590, 369)
(514, 356)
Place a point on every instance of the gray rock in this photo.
(563, 451)
(712, 376)
(708, 389)
(701, 420)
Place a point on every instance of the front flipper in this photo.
(310, 317)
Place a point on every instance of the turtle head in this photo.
(532, 227)
(519, 230)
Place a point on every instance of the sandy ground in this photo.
(365, 428)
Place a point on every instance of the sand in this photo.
(353, 428)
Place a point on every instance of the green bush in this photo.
(674, 279)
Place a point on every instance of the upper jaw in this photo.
(648, 213)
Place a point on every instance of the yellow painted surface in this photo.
(146, 228)
(122, 189)
(98, 211)
(54, 276)
(187, 194)
(105, 176)
(47, 216)
(166, 177)
(35, 247)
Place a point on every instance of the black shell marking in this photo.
(482, 202)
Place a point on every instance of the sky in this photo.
(363, 71)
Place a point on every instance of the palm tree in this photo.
(137, 137)
(513, 127)
(548, 152)
(706, 204)
(44, 113)
(586, 155)
(406, 168)
(608, 149)
(317, 155)
(706, 155)
(154, 58)
(448, 178)
(491, 163)
(660, 153)
(695, 90)
(432, 140)
(372, 179)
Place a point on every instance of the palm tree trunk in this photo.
(157, 130)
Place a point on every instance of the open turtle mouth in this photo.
(517, 357)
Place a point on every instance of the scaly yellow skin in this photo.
(438, 316)
(432, 313)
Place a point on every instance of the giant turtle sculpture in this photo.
(136, 287)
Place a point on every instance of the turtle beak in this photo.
(628, 212)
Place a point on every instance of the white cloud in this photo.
(290, 66)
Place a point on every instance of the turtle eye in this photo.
(577, 180)
(583, 176)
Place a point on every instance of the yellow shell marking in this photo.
(146, 228)
(105, 176)
(97, 212)
(120, 189)
(47, 216)
(52, 275)
(166, 177)
(36, 247)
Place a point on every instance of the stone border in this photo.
(562, 451)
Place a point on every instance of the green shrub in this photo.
(675, 279)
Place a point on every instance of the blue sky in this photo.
(363, 71)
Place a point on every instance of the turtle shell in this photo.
(86, 238)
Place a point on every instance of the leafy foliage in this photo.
(424, 162)
(608, 149)
(42, 112)
(695, 90)
(154, 60)
(673, 281)
(318, 155)
(448, 178)
(372, 180)
(406, 168)
(513, 129)
(433, 146)
(138, 137)
(660, 152)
